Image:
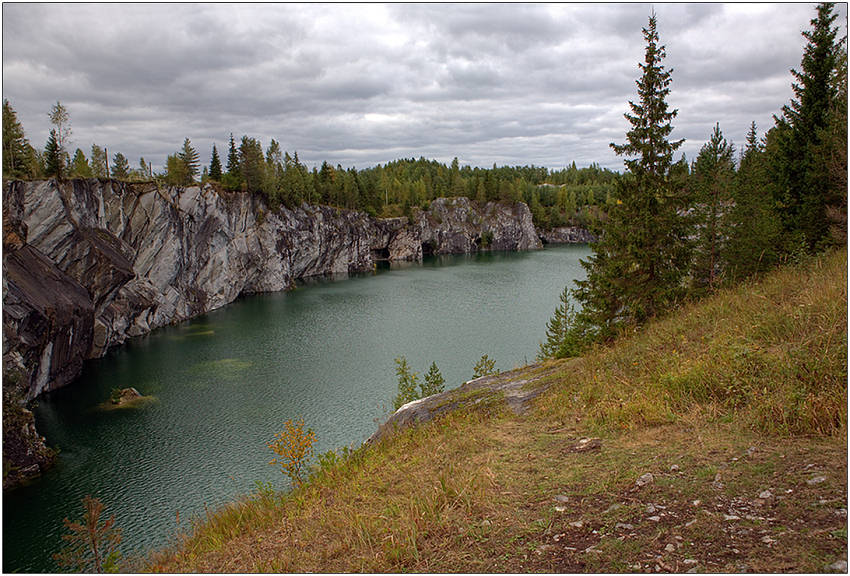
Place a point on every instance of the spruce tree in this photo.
(434, 382)
(562, 338)
(190, 160)
(215, 166)
(712, 178)
(233, 158)
(98, 161)
(80, 165)
(803, 187)
(53, 160)
(120, 167)
(753, 224)
(16, 148)
(637, 266)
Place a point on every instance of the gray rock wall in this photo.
(90, 263)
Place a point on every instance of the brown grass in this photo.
(741, 393)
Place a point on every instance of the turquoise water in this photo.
(225, 382)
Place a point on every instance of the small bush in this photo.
(293, 447)
(91, 546)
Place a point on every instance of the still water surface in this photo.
(225, 382)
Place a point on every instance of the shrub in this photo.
(293, 447)
(484, 367)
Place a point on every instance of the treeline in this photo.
(571, 196)
(676, 232)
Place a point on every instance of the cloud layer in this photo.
(363, 84)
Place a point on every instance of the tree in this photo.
(120, 166)
(637, 266)
(91, 546)
(98, 161)
(293, 448)
(562, 339)
(190, 160)
(16, 148)
(753, 225)
(232, 158)
(80, 165)
(251, 163)
(712, 178)
(215, 166)
(53, 160)
(61, 121)
(407, 384)
(175, 170)
(434, 382)
(484, 367)
(804, 186)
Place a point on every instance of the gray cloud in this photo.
(363, 84)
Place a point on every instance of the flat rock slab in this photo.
(517, 387)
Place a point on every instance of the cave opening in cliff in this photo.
(428, 248)
(379, 254)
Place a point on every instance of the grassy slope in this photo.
(740, 394)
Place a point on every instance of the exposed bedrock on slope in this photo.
(94, 262)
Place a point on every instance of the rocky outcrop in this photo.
(90, 263)
(567, 235)
(517, 388)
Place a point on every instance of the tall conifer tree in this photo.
(803, 187)
(637, 266)
(215, 166)
(712, 178)
(190, 160)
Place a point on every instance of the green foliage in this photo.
(120, 167)
(637, 267)
(53, 160)
(564, 336)
(61, 134)
(17, 152)
(434, 382)
(175, 171)
(215, 166)
(191, 162)
(80, 166)
(754, 228)
(407, 384)
(484, 367)
(410, 388)
(805, 191)
(91, 546)
(711, 182)
(98, 161)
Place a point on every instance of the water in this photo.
(225, 382)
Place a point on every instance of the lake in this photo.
(225, 382)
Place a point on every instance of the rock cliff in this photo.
(566, 235)
(90, 263)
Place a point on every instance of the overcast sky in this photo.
(365, 84)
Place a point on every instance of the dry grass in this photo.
(744, 392)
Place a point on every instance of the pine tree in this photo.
(804, 188)
(16, 148)
(190, 160)
(712, 178)
(215, 166)
(120, 166)
(637, 266)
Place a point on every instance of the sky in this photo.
(362, 84)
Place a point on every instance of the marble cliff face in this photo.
(90, 263)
